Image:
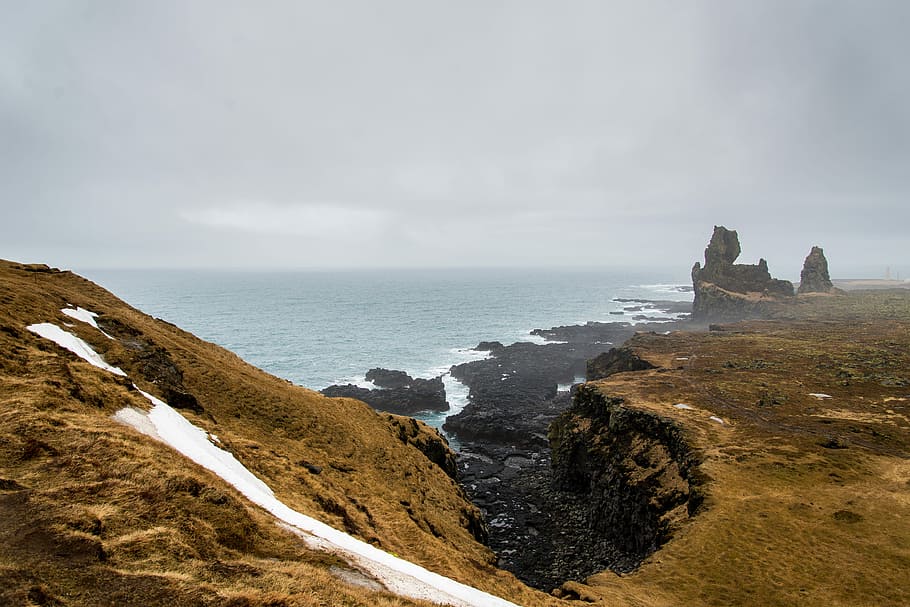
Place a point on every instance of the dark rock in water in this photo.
(617, 360)
(400, 393)
(541, 533)
(488, 346)
(814, 277)
(724, 290)
(384, 378)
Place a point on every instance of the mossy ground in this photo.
(808, 498)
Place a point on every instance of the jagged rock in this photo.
(814, 276)
(724, 290)
(154, 364)
(399, 393)
(617, 360)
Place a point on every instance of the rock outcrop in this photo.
(814, 277)
(397, 392)
(729, 291)
(617, 360)
(637, 475)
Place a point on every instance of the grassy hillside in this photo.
(95, 513)
(807, 498)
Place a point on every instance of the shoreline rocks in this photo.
(541, 532)
(396, 392)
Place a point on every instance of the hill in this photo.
(95, 513)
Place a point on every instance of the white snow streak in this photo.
(399, 576)
(164, 423)
(819, 395)
(72, 343)
(86, 316)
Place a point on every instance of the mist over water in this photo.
(321, 328)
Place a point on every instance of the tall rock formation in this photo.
(814, 277)
(728, 291)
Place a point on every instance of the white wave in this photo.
(356, 380)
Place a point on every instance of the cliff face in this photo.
(635, 469)
(728, 291)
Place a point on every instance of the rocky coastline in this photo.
(539, 522)
(570, 482)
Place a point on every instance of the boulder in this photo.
(814, 277)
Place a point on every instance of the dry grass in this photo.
(94, 513)
(809, 499)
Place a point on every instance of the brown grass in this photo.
(789, 520)
(95, 513)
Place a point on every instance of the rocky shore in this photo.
(540, 523)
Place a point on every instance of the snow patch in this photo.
(138, 419)
(86, 316)
(75, 345)
(819, 395)
(164, 423)
(399, 576)
(683, 406)
(718, 420)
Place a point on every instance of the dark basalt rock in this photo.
(488, 346)
(724, 290)
(637, 474)
(814, 277)
(541, 533)
(384, 378)
(153, 363)
(617, 360)
(400, 393)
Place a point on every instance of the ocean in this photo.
(319, 328)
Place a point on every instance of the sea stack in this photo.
(814, 277)
(728, 291)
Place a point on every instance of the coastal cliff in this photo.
(636, 472)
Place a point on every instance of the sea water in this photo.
(321, 328)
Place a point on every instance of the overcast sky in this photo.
(362, 134)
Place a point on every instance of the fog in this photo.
(430, 134)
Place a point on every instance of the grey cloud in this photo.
(452, 134)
